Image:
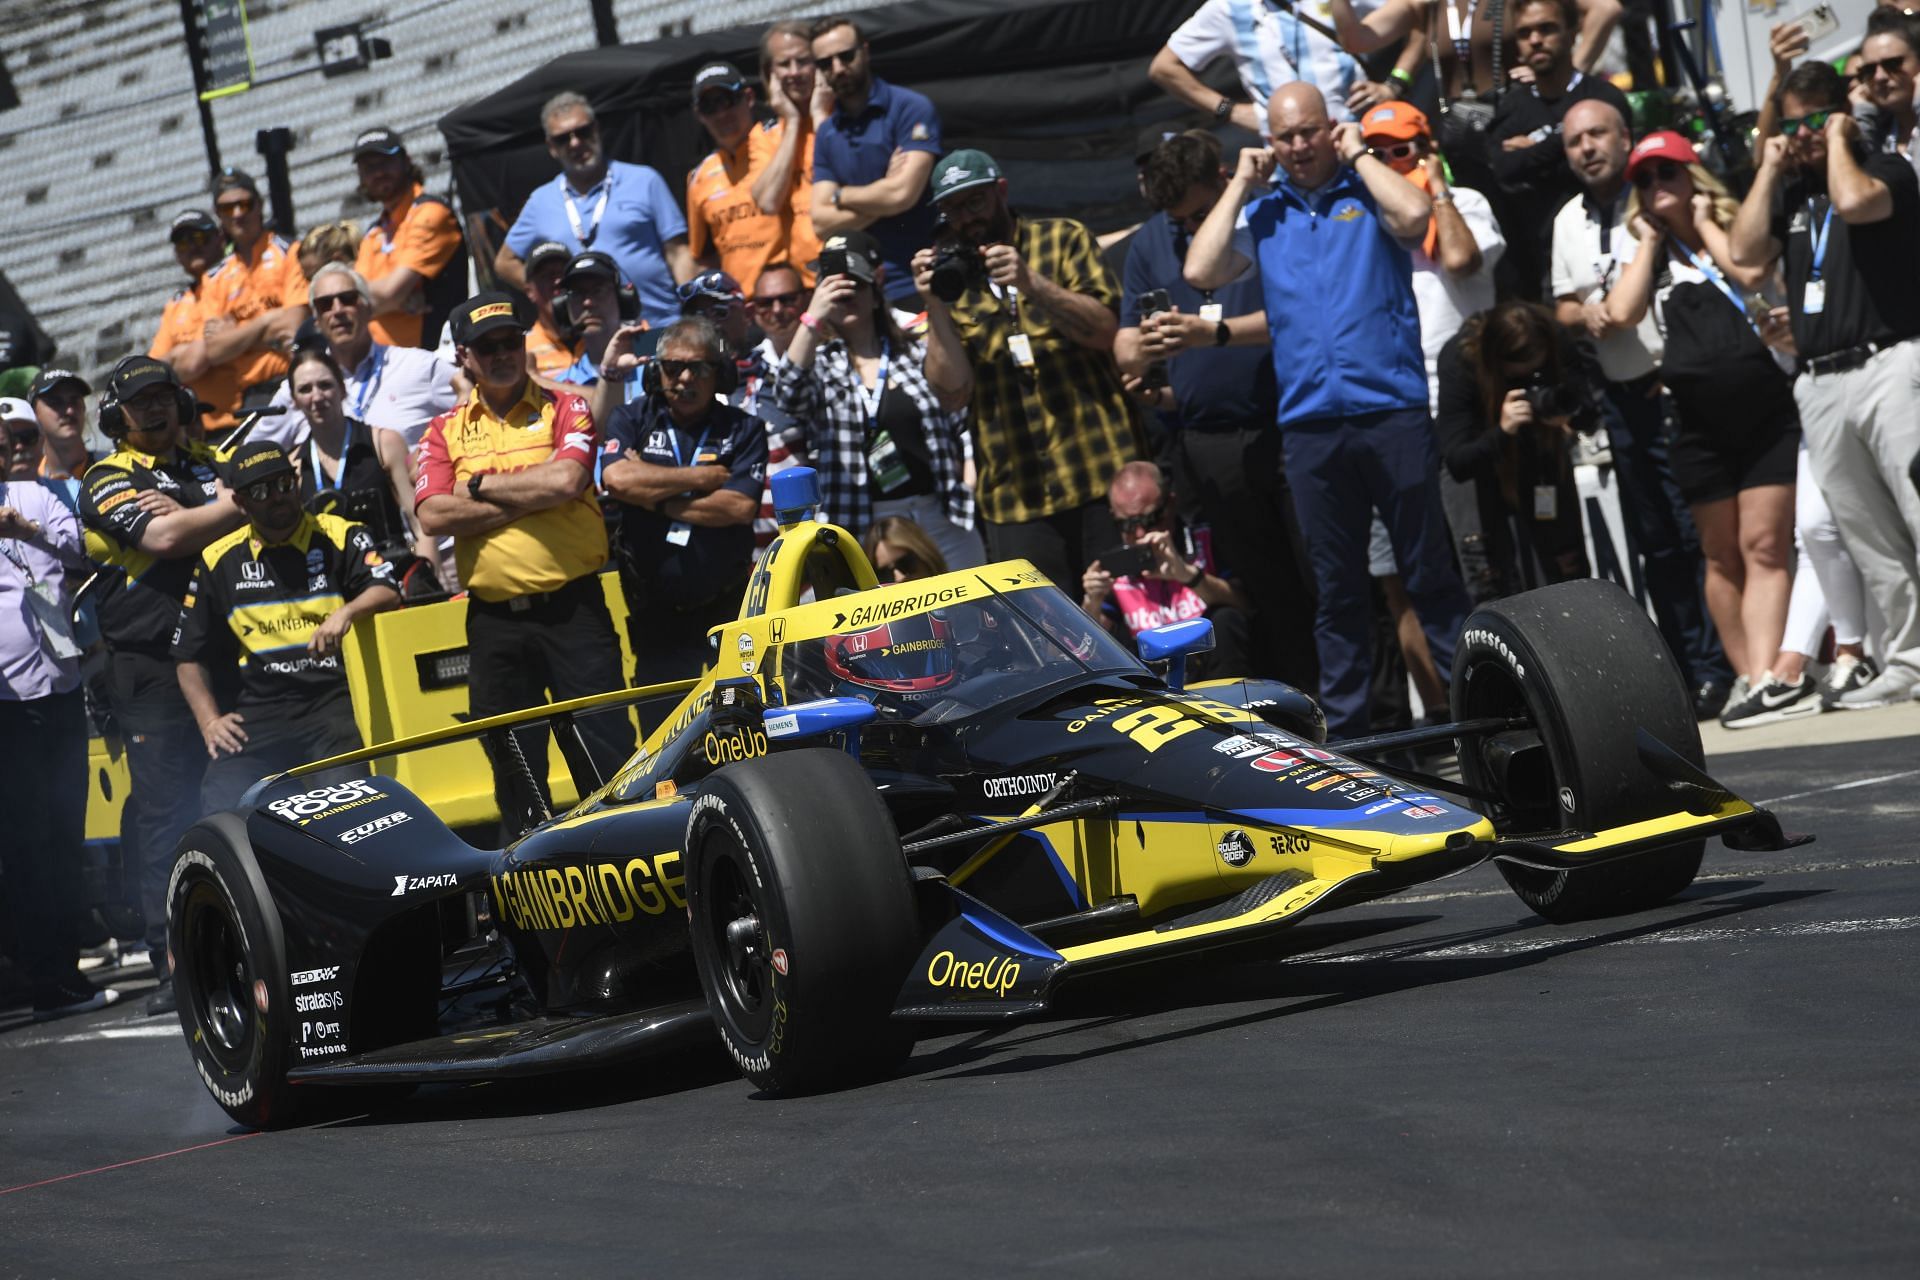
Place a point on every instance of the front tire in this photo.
(803, 920)
(1584, 664)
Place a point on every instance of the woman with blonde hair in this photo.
(901, 551)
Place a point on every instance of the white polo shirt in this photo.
(399, 388)
(1271, 47)
(1445, 300)
(1591, 247)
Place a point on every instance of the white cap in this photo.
(16, 410)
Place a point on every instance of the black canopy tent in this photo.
(1055, 90)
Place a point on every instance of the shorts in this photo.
(1708, 468)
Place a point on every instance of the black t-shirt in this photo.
(360, 490)
(1536, 180)
(141, 597)
(900, 418)
(1871, 271)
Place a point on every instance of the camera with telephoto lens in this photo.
(957, 265)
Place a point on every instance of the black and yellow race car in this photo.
(879, 808)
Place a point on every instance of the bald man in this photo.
(1591, 248)
(1333, 241)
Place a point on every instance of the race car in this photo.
(882, 808)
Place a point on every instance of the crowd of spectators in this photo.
(1340, 387)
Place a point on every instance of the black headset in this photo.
(726, 374)
(563, 317)
(114, 422)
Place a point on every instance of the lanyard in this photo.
(673, 438)
(7, 547)
(585, 235)
(1572, 84)
(1462, 33)
(1603, 263)
(1704, 265)
(313, 460)
(371, 383)
(1819, 242)
(870, 399)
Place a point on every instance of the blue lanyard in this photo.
(870, 400)
(371, 383)
(673, 438)
(1819, 242)
(1706, 268)
(313, 460)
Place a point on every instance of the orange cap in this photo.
(1401, 121)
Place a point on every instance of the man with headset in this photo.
(600, 307)
(149, 509)
(687, 469)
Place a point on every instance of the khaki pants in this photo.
(1862, 429)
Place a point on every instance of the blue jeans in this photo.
(1342, 470)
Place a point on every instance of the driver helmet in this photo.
(910, 655)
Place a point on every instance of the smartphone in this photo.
(1818, 22)
(1126, 562)
(646, 343)
(1152, 303)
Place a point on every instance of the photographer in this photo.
(1513, 389)
(1020, 323)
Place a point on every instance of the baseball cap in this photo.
(193, 220)
(229, 178)
(1664, 145)
(962, 170)
(51, 378)
(717, 285)
(1150, 139)
(378, 142)
(135, 374)
(1401, 121)
(13, 410)
(256, 461)
(850, 253)
(718, 75)
(546, 250)
(483, 314)
(592, 263)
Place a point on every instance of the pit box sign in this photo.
(226, 51)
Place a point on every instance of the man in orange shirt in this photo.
(726, 227)
(552, 347)
(251, 306)
(180, 339)
(801, 102)
(506, 474)
(410, 254)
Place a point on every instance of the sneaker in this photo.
(134, 957)
(74, 995)
(1845, 675)
(1775, 699)
(107, 953)
(1713, 697)
(162, 1001)
(1895, 684)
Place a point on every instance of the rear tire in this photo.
(1584, 664)
(803, 920)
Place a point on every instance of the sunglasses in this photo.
(1893, 67)
(567, 137)
(1144, 521)
(906, 565)
(714, 103)
(1665, 171)
(22, 436)
(275, 487)
(1812, 122)
(327, 302)
(1397, 151)
(773, 300)
(846, 57)
(487, 348)
(235, 208)
(672, 369)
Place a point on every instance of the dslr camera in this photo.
(1569, 400)
(957, 265)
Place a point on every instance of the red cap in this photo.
(1399, 120)
(1664, 145)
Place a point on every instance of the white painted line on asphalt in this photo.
(153, 1031)
(133, 1031)
(1839, 786)
(1520, 946)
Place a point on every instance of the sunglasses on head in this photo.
(273, 487)
(1145, 520)
(1396, 150)
(772, 300)
(1664, 171)
(328, 301)
(672, 369)
(486, 348)
(1812, 122)
(568, 136)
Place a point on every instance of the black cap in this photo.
(256, 461)
(51, 378)
(592, 263)
(547, 249)
(485, 312)
(135, 374)
(378, 142)
(1150, 139)
(718, 75)
(850, 253)
(193, 220)
(229, 178)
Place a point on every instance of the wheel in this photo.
(1587, 669)
(803, 920)
(230, 973)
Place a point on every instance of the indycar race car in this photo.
(879, 808)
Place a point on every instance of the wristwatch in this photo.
(1441, 197)
(473, 484)
(1194, 581)
(1223, 108)
(1221, 334)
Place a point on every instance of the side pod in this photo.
(979, 964)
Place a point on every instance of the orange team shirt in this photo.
(243, 291)
(183, 322)
(550, 355)
(419, 234)
(721, 210)
(540, 551)
(803, 246)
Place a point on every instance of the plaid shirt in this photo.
(825, 399)
(1048, 440)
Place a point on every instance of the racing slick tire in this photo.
(804, 923)
(230, 973)
(1588, 669)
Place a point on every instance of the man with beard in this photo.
(550, 345)
(411, 254)
(726, 227)
(399, 388)
(625, 211)
(801, 102)
(1847, 224)
(268, 607)
(1029, 344)
(872, 157)
(180, 340)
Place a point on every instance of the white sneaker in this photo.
(1845, 675)
(134, 957)
(1895, 684)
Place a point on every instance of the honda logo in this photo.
(253, 571)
